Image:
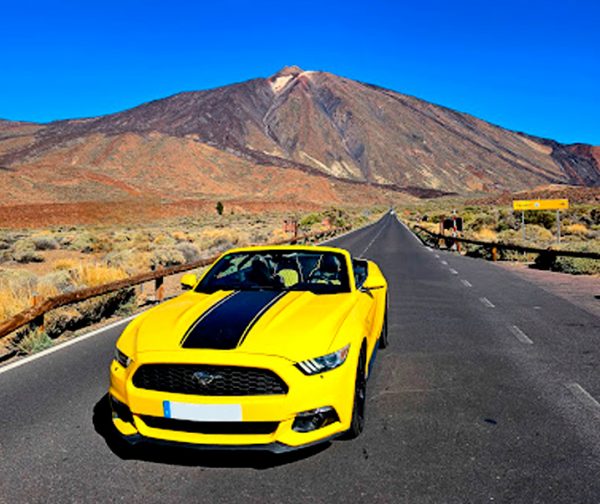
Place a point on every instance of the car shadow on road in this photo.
(182, 456)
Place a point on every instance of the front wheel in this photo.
(360, 398)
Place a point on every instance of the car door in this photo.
(366, 303)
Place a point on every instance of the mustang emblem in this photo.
(204, 378)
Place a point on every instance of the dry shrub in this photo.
(538, 234)
(181, 236)
(576, 229)
(190, 252)
(164, 239)
(166, 256)
(131, 261)
(222, 238)
(44, 241)
(486, 234)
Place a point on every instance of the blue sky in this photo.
(531, 66)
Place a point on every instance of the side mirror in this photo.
(188, 281)
(369, 285)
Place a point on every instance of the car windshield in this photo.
(318, 272)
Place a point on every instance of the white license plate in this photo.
(203, 412)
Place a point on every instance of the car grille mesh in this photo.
(226, 380)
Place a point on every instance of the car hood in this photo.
(294, 325)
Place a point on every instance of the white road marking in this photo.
(372, 241)
(445, 263)
(453, 271)
(584, 397)
(437, 256)
(60, 346)
(487, 302)
(466, 283)
(409, 230)
(520, 335)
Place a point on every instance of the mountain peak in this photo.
(289, 71)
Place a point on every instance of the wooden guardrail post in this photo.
(37, 322)
(159, 288)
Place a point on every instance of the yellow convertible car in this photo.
(271, 349)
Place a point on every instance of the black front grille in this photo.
(196, 379)
(210, 427)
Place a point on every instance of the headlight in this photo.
(121, 358)
(324, 363)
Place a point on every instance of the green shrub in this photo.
(83, 242)
(573, 265)
(483, 220)
(309, 220)
(24, 252)
(542, 218)
(34, 341)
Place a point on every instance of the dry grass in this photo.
(73, 258)
(576, 229)
(486, 234)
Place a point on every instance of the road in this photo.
(487, 393)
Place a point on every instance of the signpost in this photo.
(541, 204)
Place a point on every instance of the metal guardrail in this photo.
(495, 246)
(35, 314)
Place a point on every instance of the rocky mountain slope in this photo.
(287, 134)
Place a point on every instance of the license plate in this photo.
(203, 412)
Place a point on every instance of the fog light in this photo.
(120, 410)
(311, 420)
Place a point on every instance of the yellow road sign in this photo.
(541, 204)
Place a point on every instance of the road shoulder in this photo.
(581, 290)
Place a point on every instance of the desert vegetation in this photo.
(580, 230)
(42, 263)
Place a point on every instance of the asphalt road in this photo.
(486, 394)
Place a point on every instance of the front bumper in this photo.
(333, 388)
(275, 447)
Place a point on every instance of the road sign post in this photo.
(540, 204)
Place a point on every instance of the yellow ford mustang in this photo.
(271, 349)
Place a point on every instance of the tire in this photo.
(360, 399)
(383, 338)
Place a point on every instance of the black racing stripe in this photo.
(225, 325)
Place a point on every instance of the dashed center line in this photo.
(584, 397)
(453, 271)
(437, 256)
(445, 263)
(372, 241)
(487, 302)
(520, 335)
(466, 283)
